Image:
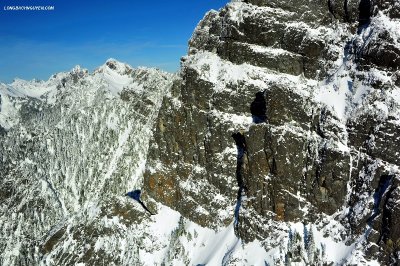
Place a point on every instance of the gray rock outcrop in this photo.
(329, 144)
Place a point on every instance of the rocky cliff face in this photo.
(277, 143)
(295, 103)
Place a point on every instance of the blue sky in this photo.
(36, 44)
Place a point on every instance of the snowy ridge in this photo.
(86, 150)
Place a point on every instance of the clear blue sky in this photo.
(36, 44)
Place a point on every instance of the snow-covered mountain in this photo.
(277, 143)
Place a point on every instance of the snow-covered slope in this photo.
(71, 143)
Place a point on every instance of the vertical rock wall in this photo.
(323, 69)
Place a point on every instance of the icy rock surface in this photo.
(276, 144)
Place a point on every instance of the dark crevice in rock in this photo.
(274, 168)
(346, 10)
(322, 118)
(389, 240)
(53, 240)
(308, 165)
(347, 17)
(319, 164)
(258, 108)
(384, 183)
(330, 7)
(63, 82)
(241, 151)
(364, 12)
(269, 153)
(3, 131)
(240, 197)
